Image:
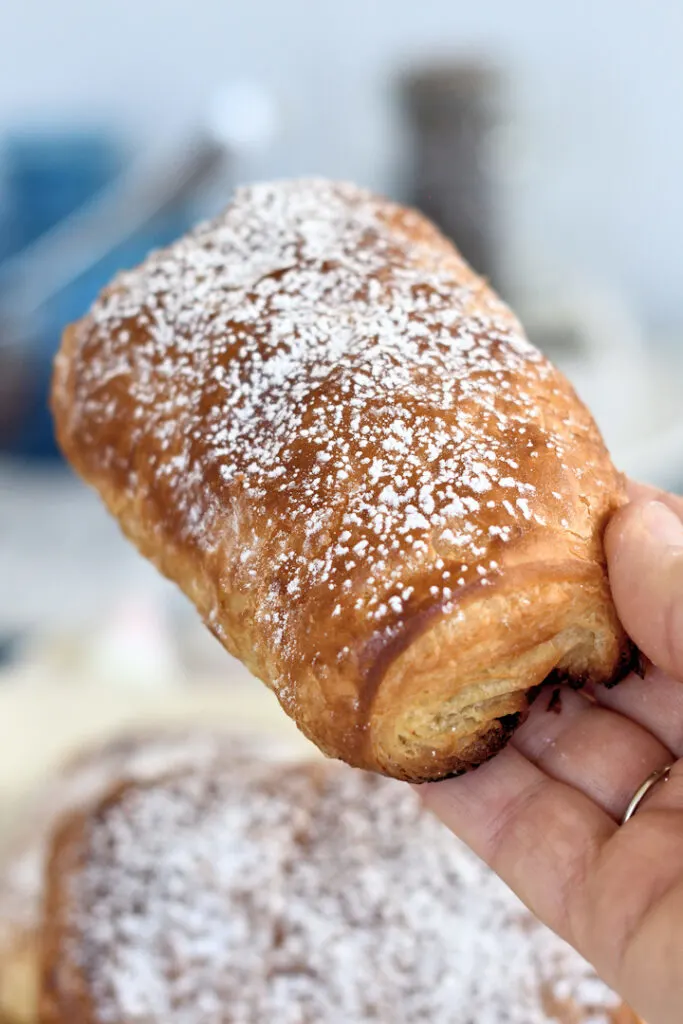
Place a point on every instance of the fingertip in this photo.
(624, 532)
(617, 526)
(644, 548)
(637, 534)
(661, 524)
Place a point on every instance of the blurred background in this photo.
(545, 138)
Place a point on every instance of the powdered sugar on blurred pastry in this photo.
(250, 892)
(141, 755)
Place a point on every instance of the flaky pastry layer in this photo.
(315, 418)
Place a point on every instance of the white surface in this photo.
(640, 412)
(47, 716)
(61, 556)
(631, 383)
(600, 89)
(243, 117)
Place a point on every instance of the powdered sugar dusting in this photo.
(319, 368)
(83, 782)
(307, 896)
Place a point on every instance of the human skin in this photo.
(545, 812)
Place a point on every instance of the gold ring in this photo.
(661, 775)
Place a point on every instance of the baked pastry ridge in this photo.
(313, 416)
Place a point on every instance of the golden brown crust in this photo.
(19, 979)
(63, 991)
(317, 420)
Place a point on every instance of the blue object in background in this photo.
(35, 438)
(49, 177)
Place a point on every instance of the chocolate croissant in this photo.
(313, 416)
(243, 893)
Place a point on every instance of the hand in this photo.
(544, 813)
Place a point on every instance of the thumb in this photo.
(644, 545)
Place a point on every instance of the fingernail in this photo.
(662, 524)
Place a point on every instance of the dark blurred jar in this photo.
(453, 113)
